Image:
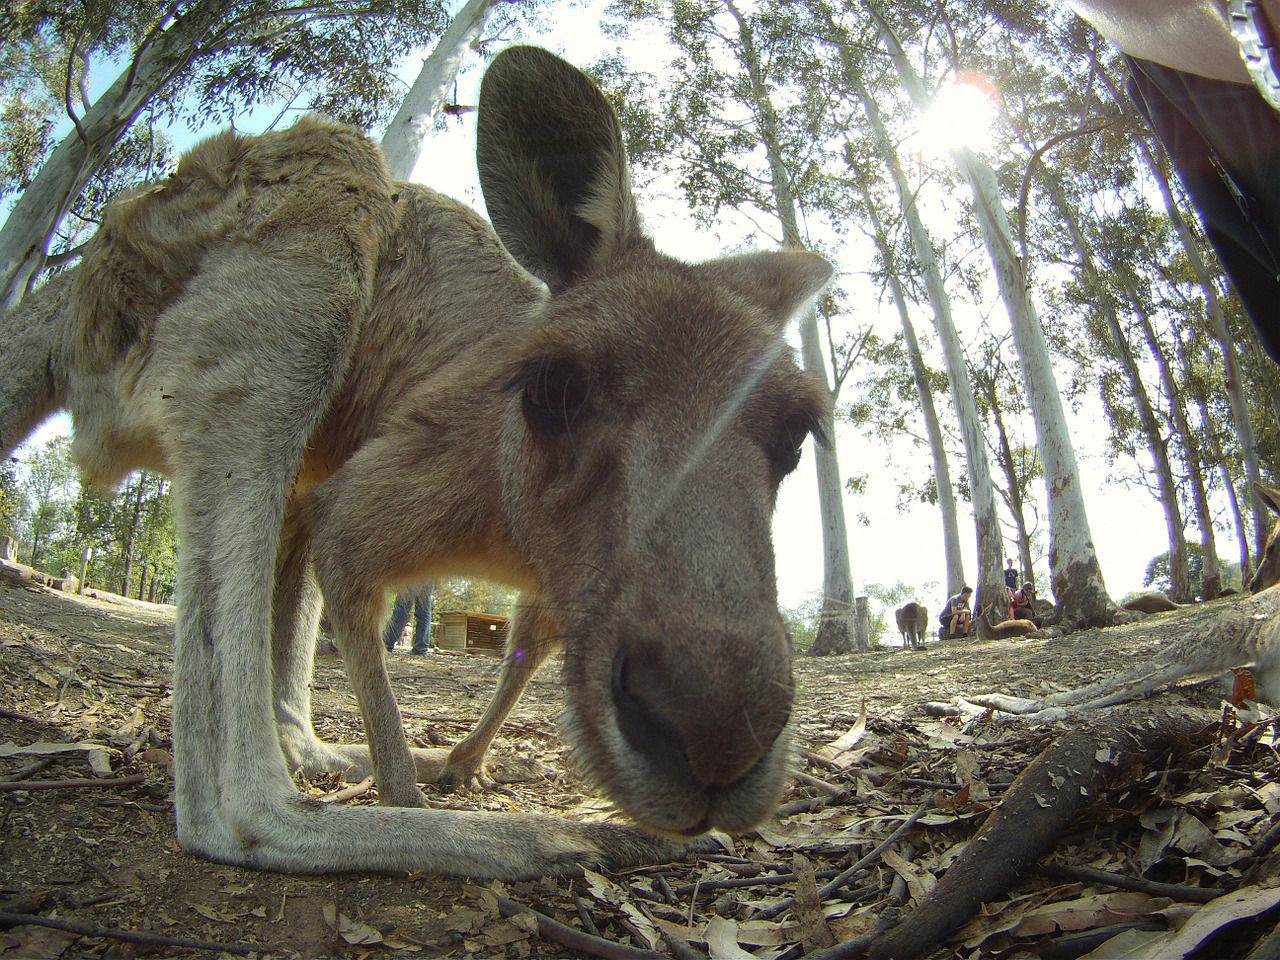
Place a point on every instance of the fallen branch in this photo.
(1176, 891)
(1045, 800)
(10, 786)
(349, 792)
(566, 936)
(127, 936)
(844, 876)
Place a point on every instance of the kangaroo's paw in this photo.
(464, 773)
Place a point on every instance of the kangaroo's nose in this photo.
(708, 721)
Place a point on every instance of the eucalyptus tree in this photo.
(188, 59)
(999, 397)
(1198, 257)
(1077, 581)
(852, 41)
(943, 489)
(986, 519)
(746, 137)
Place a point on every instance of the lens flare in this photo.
(962, 114)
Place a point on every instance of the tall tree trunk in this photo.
(836, 632)
(1077, 580)
(1013, 500)
(1157, 445)
(928, 410)
(409, 127)
(1210, 568)
(131, 532)
(1076, 577)
(1218, 324)
(985, 518)
(24, 239)
(1215, 456)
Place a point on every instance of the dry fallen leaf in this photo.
(352, 931)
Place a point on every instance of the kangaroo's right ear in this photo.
(553, 167)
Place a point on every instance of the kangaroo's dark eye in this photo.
(555, 394)
(784, 449)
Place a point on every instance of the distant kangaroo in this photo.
(354, 384)
(913, 622)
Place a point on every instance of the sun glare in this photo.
(962, 114)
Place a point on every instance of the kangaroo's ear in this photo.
(553, 167)
(780, 281)
(1270, 496)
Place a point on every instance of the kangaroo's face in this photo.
(648, 427)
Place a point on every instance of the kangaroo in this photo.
(1268, 572)
(358, 384)
(913, 621)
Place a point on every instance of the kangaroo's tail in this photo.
(33, 377)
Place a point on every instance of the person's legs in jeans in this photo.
(422, 622)
(399, 617)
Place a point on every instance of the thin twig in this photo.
(844, 876)
(1177, 891)
(128, 936)
(8, 786)
(32, 768)
(18, 715)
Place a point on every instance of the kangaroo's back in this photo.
(33, 379)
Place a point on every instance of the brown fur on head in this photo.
(650, 418)
(671, 434)
(1268, 573)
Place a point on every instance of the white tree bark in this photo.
(929, 411)
(409, 127)
(1218, 323)
(986, 520)
(836, 630)
(1077, 582)
(24, 239)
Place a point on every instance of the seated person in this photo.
(1022, 604)
(956, 616)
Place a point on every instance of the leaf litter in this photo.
(85, 692)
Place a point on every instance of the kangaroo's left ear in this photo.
(780, 281)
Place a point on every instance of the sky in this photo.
(894, 546)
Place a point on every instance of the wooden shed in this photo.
(473, 632)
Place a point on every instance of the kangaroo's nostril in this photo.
(636, 689)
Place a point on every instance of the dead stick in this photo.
(557, 932)
(128, 936)
(22, 773)
(9, 786)
(846, 875)
(349, 792)
(18, 715)
(1177, 891)
(830, 789)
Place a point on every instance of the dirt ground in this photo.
(84, 695)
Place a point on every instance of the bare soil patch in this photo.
(77, 671)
